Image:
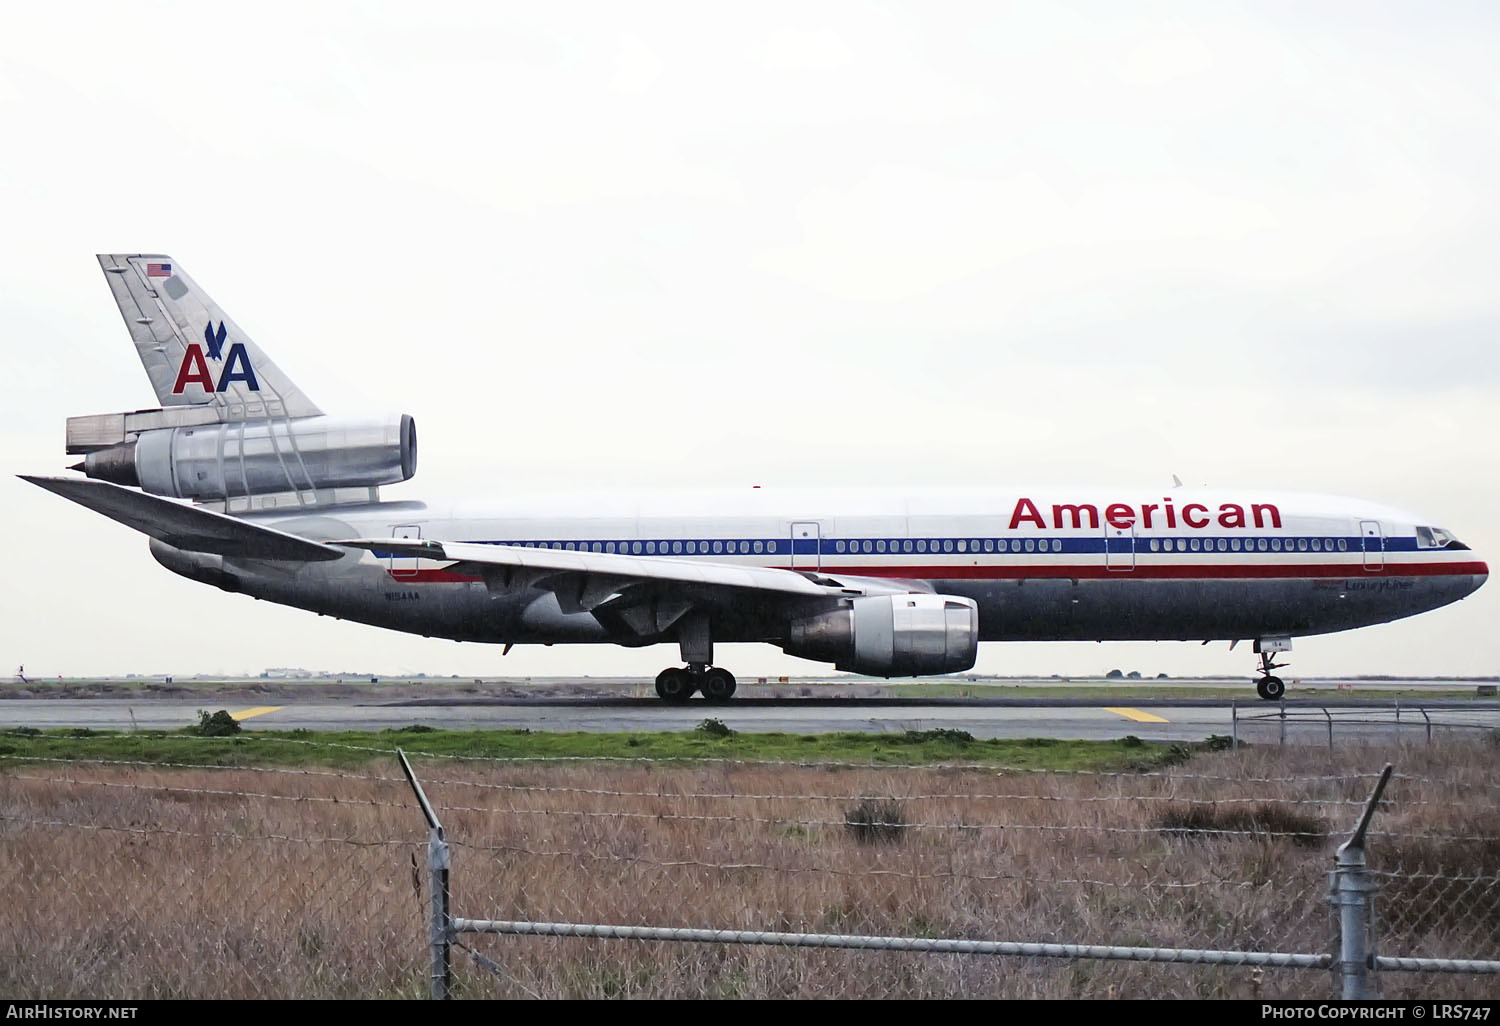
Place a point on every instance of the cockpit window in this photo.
(1437, 538)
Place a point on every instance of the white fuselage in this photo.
(1041, 563)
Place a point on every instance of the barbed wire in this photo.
(737, 796)
(667, 796)
(702, 818)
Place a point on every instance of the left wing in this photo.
(631, 587)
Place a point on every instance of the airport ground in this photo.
(1177, 710)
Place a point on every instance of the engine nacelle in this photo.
(221, 461)
(892, 635)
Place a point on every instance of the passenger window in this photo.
(880, 545)
(1261, 545)
(635, 547)
(718, 547)
(869, 546)
(838, 546)
(676, 547)
(1223, 545)
(989, 545)
(906, 545)
(770, 546)
(1275, 544)
(1030, 545)
(1155, 545)
(1301, 544)
(962, 545)
(1328, 544)
(1194, 544)
(921, 544)
(1317, 544)
(948, 546)
(1343, 545)
(1234, 543)
(651, 547)
(757, 546)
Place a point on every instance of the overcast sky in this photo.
(622, 245)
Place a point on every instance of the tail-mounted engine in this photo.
(212, 462)
(892, 635)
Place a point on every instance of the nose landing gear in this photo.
(1270, 687)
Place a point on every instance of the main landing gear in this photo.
(1268, 687)
(677, 684)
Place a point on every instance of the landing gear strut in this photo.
(676, 684)
(1268, 687)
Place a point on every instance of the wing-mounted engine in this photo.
(228, 461)
(891, 635)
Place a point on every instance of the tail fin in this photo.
(193, 353)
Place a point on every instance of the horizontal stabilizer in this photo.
(185, 527)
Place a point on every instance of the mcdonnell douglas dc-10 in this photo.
(286, 506)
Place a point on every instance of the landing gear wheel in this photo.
(717, 685)
(675, 685)
(1270, 688)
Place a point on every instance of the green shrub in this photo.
(219, 724)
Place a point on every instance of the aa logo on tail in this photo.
(194, 368)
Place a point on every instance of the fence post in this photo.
(1234, 726)
(439, 932)
(440, 919)
(1429, 723)
(1283, 720)
(1350, 890)
(1329, 717)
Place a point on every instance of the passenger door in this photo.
(405, 566)
(1373, 542)
(807, 545)
(1119, 548)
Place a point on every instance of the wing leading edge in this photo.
(185, 527)
(645, 594)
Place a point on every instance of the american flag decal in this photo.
(158, 270)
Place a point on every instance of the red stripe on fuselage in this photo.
(433, 576)
(1033, 571)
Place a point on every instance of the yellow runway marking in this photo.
(259, 710)
(1137, 715)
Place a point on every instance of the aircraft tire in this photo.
(1270, 688)
(718, 685)
(674, 685)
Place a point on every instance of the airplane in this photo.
(285, 505)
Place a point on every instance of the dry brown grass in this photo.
(134, 882)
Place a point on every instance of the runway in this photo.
(1157, 718)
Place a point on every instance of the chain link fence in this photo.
(182, 881)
